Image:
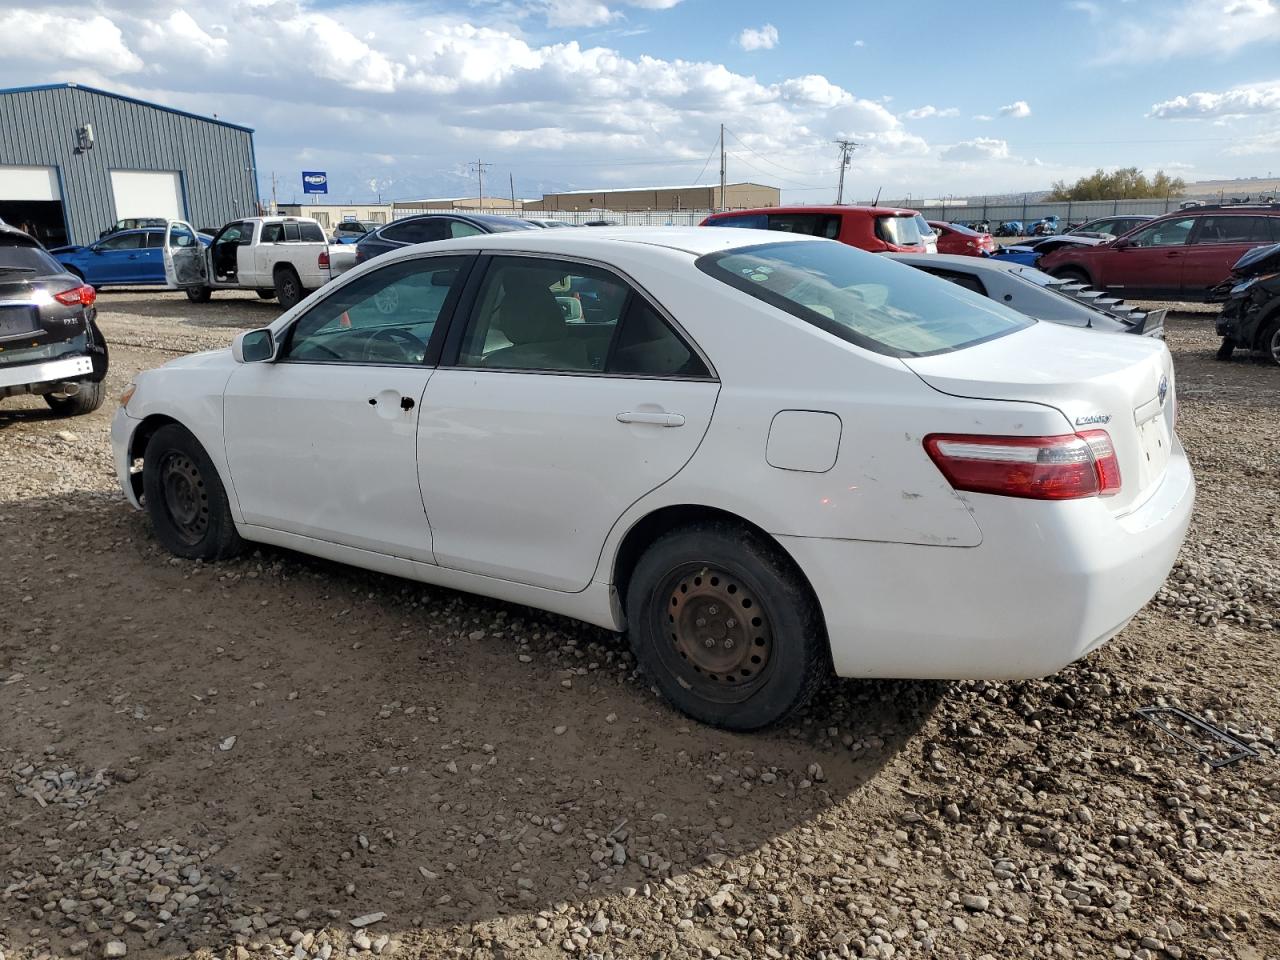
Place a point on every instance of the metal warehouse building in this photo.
(74, 160)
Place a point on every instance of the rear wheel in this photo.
(725, 627)
(1269, 342)
(85, 400)
(199, 294)
(288, 287)
(185, 498)
(1074, 274)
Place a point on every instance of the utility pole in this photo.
(722, 168)
(846, 155)
(512, 177)
(480, 169)
(273, 193)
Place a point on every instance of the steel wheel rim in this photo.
(186, 501)
(714, 632)
(1275, 345)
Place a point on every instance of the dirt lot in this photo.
(242, 758)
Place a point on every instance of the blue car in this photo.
(128, 258)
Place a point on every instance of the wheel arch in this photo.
(142, 435)
(1269, 317)
(647, 529)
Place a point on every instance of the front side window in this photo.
(387, 316)
(868, 301)
(1236, 229)
(155, 240)
(1168, 233)
(811, 224)
(272, 233)
(181, 236)
(899, 231)
(123, 241)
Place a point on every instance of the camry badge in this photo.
(1163, 390)
(1093, 418)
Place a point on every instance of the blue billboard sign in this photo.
(315, 181)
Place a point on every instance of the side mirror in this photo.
(253, 346)
(1119, 244)
(96, 249)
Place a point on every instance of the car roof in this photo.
(600, 240)
(17, 238)
(832, 208)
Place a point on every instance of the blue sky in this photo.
(395, 98)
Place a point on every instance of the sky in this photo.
(400, 99)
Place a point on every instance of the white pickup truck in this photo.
(283, 257)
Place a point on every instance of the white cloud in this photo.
(89, 39)
(979, 148)
(1251, 98)
(983, 117)
(859, 43)
(928, 110)
(766, 38)
(1195, 28)
(1018, 109)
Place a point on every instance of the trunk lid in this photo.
(1098, 381)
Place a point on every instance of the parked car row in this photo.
(754, 503)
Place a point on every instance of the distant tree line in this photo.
(1128, 183)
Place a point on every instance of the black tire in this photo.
(1269, 340)
(199, 294)
(1074, 274)
(265, 294)
(288, 287)
(1226, 349)
(185, 499)
(762, 649)
(86, 400)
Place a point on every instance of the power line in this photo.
(770, 173)
(707, 164)
(803, 173)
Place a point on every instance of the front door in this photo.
(571, 397)
(185, 259)
(1150, 262)
(321, 442)
(1218, 242)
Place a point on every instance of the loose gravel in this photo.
(282, 757)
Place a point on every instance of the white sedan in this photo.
(763, 457)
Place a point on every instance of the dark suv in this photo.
(50, 343)
(433, 226)
(1179, 256)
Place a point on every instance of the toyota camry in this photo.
(763, 458)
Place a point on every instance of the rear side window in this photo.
(810, 224)
(861, 298)
(417, 231)
(311, 233)
(966, 280)
(272, 233)
(291, 234)
(752, 221)
(1235, 229)
(899, 231)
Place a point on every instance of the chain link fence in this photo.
(637, 218)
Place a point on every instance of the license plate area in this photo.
(1153, 446)
(17, 320)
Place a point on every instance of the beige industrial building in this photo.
(460, 203)
(331, 214)
(737, 196)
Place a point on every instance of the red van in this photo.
(877, 229)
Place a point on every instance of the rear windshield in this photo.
(26, 261)
(901, 231)
(867, 300)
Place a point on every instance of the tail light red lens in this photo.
(1064, 467)
(322, 261)
(83, 295)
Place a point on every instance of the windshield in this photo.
(899, 230)
(867, 300)
(27, 260)
(922, 225)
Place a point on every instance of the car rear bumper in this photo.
(122, 428)
(47, 372)
(1049, 583)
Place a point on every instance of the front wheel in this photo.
(85, 400)
(199, 294)
(1269, 342)
(1074, 274)
(185, 498)
(1225, 349)
(725, 627)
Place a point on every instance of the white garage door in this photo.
(148, 193)
(29, 183)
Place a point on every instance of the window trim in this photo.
(444, 322)
(462, 314)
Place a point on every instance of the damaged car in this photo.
(1250, 317)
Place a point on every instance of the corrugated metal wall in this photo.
(38, 128)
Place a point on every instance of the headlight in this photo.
(1240, 288)
(127, 394)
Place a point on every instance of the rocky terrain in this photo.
(281, 757)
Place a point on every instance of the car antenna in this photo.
(876, 201)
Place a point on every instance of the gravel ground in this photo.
(278, 756)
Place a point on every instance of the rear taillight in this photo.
(1064, 467)
(322, 261)
(83, 295)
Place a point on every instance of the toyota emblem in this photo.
(1163, 390)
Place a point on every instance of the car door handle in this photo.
(656, 418)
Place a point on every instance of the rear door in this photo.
(1216, 244)
(1150, 262)
(554, 419)
(185, 259)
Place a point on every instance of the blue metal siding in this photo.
(215, 159)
